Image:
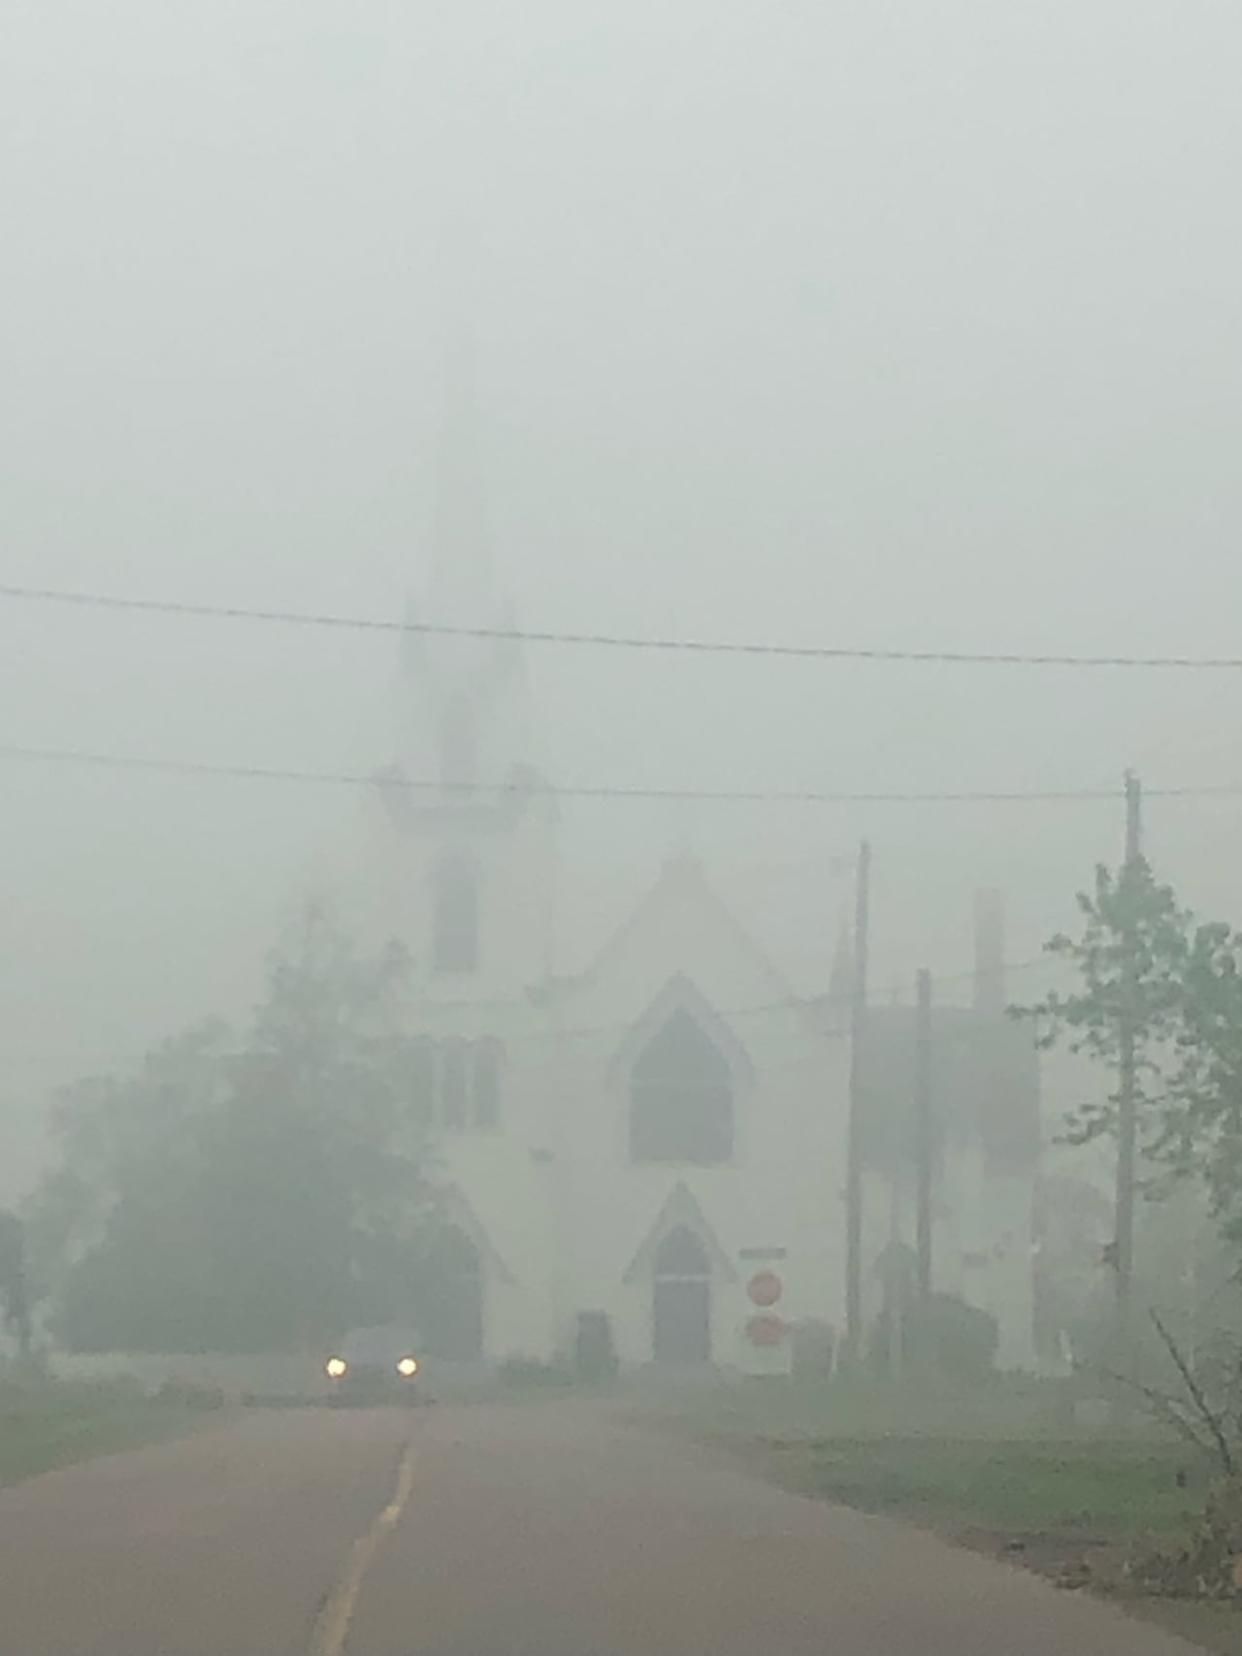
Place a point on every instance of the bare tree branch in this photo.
(1209, 1416)
(1165, 1408)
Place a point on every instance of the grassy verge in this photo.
(1099, 1491)
(43, 1427)
(1073, 1511)
(1002, 1469)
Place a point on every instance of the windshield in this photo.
(378, 1345)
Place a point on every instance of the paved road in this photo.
(481, 1531)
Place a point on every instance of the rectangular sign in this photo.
(762, 1253)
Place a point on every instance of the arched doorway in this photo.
(681, 1300)
(450, 1319)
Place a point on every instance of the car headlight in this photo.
(335, 1367)
(407, 1368)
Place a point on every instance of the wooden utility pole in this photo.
(896, 1281)
(1127, 1090)
(924, 1140)
(854, 1149)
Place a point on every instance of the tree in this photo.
(1181, 985)
(1201, 1122)
(14, 1286)
(1131, 959)
(1187, 1012)
(246, 1193)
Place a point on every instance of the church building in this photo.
(659, 1134)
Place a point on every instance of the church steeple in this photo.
(477, 826)
(461, 588)
(465, 696)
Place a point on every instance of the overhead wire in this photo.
(613, 640)
(463, 790)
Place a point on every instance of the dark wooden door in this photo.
(682, 1320)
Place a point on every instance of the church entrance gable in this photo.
(680, 1264)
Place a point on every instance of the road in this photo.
(528, 1530)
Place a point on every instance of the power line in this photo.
(615, 641)
(455, 791)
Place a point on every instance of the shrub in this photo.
(814, 1347)
(526, 1373)
(191, 1394)
(595, 1355)
(946, 1336)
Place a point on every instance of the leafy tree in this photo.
(14, 1286)
(246, 1193)
(1141, 953)
(1131, 959)
(1201, 1127)
(117, 1133)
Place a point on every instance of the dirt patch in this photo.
(1068, 1560)
(1099, 1566)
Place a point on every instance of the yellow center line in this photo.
(332, 1624)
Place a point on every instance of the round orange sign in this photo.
(766, 1330)
(765, 1288)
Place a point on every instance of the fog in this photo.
(856, 324)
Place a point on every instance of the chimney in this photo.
(991, 997)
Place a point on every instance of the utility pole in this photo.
(924, 1142)
(896, 1279)
(854, 1150)
(1127, 1091)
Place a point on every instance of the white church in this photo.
(646, 1135)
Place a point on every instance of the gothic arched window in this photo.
(681, 1097)
(455, 915)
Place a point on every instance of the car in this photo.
(375, 1365)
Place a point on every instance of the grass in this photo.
(1071, 1510)
(797, 1410)
(1004, 1455)
(1109, 1489)
(1001, 1467)
(49, 1425)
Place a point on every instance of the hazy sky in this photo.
(869, 323)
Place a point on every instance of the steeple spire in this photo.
(461, 587)
(466, 719)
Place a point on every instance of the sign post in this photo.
(766, 1345)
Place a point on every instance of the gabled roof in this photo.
(680, 1209)
(681, 876)
(681, 994)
